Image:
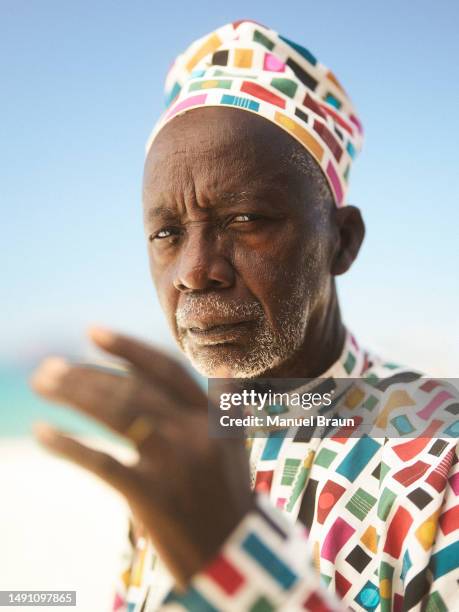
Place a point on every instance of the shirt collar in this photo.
(351, 363)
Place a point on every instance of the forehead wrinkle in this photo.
(222, 189)
(168, 185)
(222, 144)
(232, 168)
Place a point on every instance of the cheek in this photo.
(290, 266)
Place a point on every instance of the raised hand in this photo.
(189, 491)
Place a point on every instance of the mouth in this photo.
(222, 333)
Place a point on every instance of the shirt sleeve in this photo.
(131, 586)
(264, 565)
(432, 584)
(124, 578)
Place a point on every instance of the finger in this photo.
(116, 474)
(114, 400)
(157, 366)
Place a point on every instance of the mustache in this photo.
(213, 304)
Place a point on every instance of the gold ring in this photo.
(139, 430)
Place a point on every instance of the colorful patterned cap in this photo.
(248, 66)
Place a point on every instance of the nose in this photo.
(201, 266)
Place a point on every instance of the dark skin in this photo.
(196, 161)
(247, 225)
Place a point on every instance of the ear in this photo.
(351, 232)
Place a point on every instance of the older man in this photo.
(244, 192)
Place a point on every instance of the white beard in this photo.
(270, 347)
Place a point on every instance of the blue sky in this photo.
(81, 88)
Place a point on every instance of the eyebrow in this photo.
(160, 211)
(231, 197)
(225, 199)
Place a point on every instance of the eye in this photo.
(165, 232)
(245, 218)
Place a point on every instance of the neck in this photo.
(321, 347)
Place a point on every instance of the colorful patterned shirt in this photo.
(362, 523)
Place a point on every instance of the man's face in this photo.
(239, 247)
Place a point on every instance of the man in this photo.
(244, 193)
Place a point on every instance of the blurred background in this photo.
(81, 87)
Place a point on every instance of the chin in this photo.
(228, 361)
(215, 361)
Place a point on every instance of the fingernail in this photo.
(48, 374)
(101, 335)
(44, 433)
